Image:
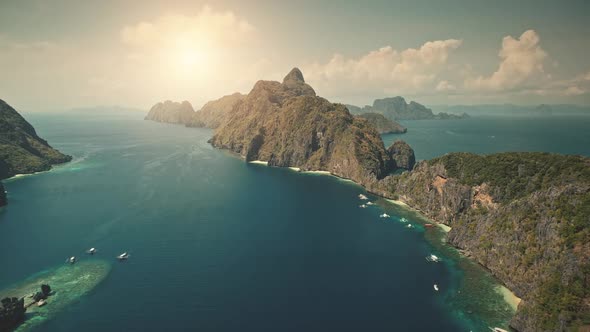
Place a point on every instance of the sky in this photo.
(62, 54)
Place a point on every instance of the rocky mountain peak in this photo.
(295, 75)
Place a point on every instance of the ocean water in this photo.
(217, 244)
(491, 134)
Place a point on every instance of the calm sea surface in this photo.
(221, 245)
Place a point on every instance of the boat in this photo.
(384, 215)
(362, 206)
(410, 226)
(497, 329)
(123, 256)
(436, 287)
(428, 225)
(403, 220)
(91, 251)
(41, 303)
(370, 203)
(71, 260)
(433, 258)
(363, 197)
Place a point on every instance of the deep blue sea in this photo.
(221, 245)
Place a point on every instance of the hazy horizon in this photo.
(68, 54)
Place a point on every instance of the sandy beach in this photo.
(509, 297)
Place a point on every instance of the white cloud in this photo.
(445, 86)
(522, 62)
(206, 28)
(385, 70)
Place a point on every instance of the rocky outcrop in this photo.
(22, 151)
(524, 216)
(383, 124)
(12, 313)
(171, 112)
(215, 112)
(396, 108)
(402, 155)
(2, 195)
(286, 124)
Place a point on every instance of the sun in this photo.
(190, 58)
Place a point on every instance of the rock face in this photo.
(396, 108)
(2, 195)
(383, 124)
(21, 150)
(171, 112)
(12, 313)
(286, 124)
(524, 216)
(215, 112)
(402, 155)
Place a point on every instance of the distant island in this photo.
(22, 151)
(542, 110)
(396, 108)
(523, 216)
(383, 124)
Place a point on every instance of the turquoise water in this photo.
(220, 245)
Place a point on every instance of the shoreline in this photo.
(508, 295)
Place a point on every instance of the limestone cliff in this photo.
(524, 216)
(21, 149)
(383, 124)
(402, 155)
(215, 112)
(286, 124)
(171, 112)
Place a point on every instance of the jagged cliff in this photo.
(171, 112)
(383, 124)
(524, 216)
(396, 108)
(22, 151)
(286, 124)
(215, 112)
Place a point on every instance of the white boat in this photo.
(123, 256)
(433, 258)
(363, 197)
(370, 203)
(91, 251)
(436, 287)
(362, 206)
(41, 303)
(71, 260)
(497, 329)
(409, 226)
(384, 215)
(403, 220)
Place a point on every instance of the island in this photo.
(30, 303)
(171, 112)
(22, 151)
(525, 216)
(396, 108)
(383, 124)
